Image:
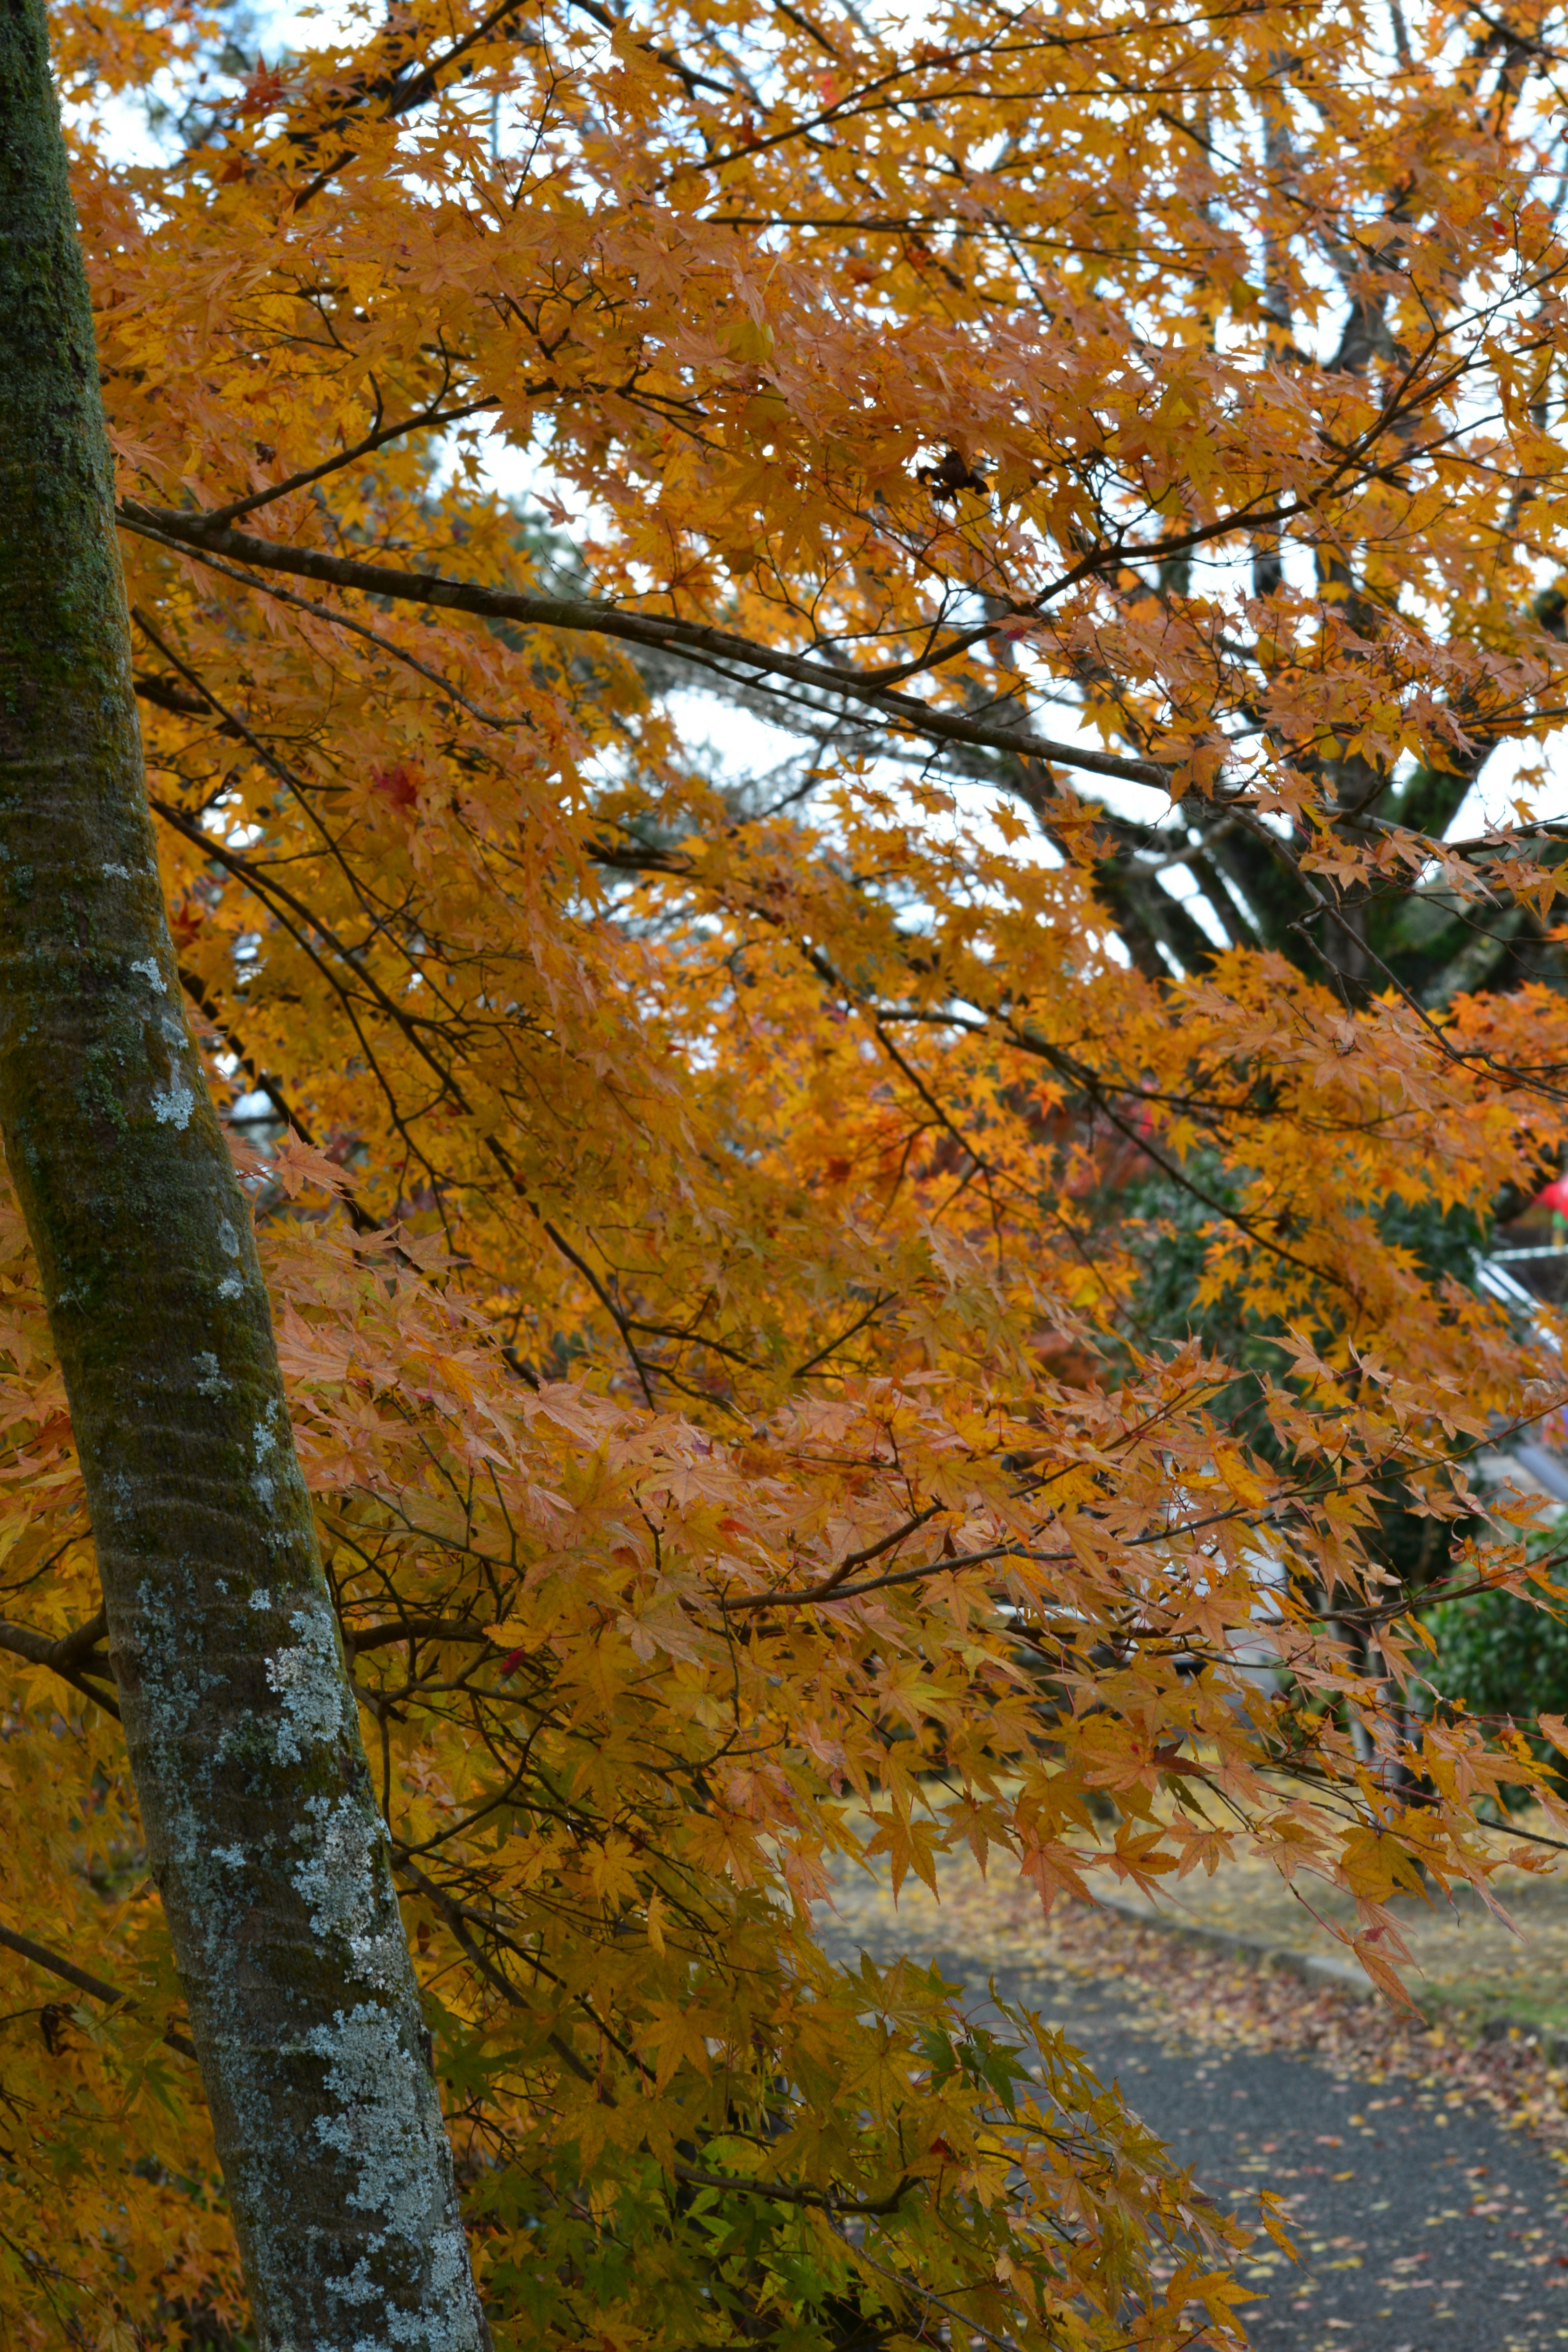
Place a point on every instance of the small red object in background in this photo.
(1554, 1196)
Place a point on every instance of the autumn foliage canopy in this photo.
(710, 1214)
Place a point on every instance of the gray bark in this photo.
(261, 1827)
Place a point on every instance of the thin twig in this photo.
(344, 621)
(833, 1591)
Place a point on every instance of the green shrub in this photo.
(1500, 1656)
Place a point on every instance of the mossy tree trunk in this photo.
(244, 1738)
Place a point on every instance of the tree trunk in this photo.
(261, 1827)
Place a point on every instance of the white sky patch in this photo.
(1490, 799)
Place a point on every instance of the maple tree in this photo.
(735, 1445)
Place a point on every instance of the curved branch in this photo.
(695, 641)
(416, 1629)
(71, 1656)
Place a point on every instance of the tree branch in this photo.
(195, 989)
(153, 690)
(694, 641)
(70, 1656)
(822, 2200)
(833, 1591)
(427, 419)
(415, 1629)
(68, 1973)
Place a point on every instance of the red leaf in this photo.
(399, 785)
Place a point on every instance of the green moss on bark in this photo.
(243, 1733)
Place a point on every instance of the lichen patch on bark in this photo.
(240, 1722)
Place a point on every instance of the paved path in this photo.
(1422, 2224)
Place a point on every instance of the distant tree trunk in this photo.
(244, 1738)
